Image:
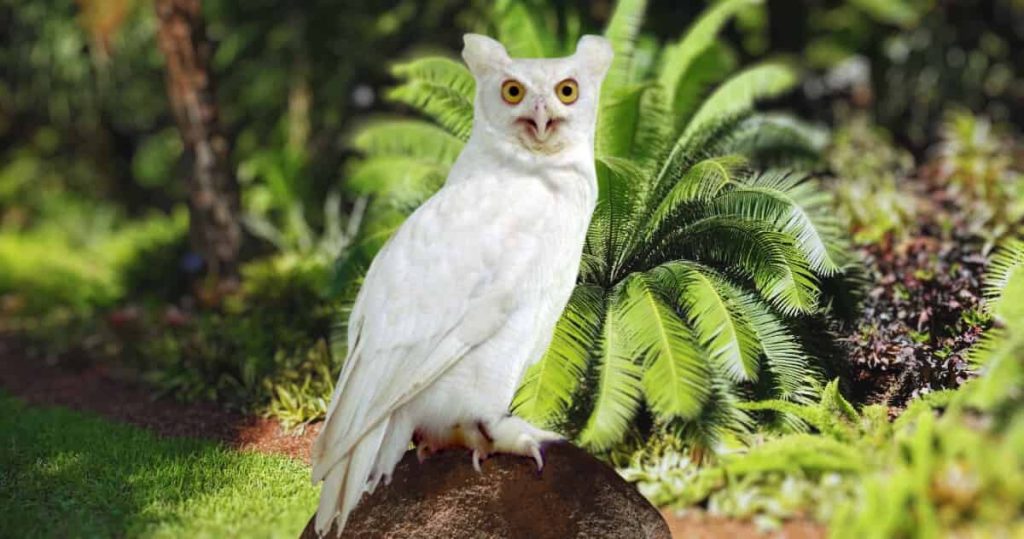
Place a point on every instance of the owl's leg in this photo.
(515, 436)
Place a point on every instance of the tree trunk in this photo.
(213, 196)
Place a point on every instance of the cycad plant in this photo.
(693, 263)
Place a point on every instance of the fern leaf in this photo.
(791, 371)
(403, 181)
(796, 207)
(440, 88)
(768, 257)
(701, 182)
(549, 384)
(522, 30)
(776, 140)
(678, 59)
(619, 182)
(618, 389)
(408, 138)
(718, 324)
(676, 367)
(736, 96)
(1006, 271)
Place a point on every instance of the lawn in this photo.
(70, 474)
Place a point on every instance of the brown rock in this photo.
(575, 496)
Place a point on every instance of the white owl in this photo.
(466, 294)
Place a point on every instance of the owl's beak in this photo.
(541, 124)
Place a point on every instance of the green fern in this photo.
(692, 263)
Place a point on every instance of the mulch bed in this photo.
(911, 335)
(96, 388)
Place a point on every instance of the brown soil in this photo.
(699, 525)
(98, 389)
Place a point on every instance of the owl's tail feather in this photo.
(371, 459)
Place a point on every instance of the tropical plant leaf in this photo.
(718, 324)
(795, 378)
(676, 367)
(679, 58)
(408, 138)
(796, 207)
(549, 384)
(737, 96)
(776, 140)
(619, 182)
(1006, 271)
(768, 257)
(399, 180)
(522, 30)
(440, 88)
(618, 389)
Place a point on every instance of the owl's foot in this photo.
(513, 435)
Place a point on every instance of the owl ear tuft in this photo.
(482, 53)
(596, 54)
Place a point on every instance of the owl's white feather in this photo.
(466, 294)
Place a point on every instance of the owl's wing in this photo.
(438, 289)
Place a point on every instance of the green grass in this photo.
(69, 474)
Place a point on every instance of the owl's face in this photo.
(543, 105)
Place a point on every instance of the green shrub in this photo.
(951, 465)
(693, 263)
(83, 263)
(266, 352)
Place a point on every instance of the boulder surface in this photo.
(575, 496)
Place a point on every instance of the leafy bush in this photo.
(951, 465)
(692, 263)
(82, 263)
(266, 352)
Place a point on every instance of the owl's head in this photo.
(544, 105)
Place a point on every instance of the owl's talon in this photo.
(476, 461)
(422, 452)
(535, 450)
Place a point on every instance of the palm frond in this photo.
(403, 181)
(408, 138)
(679, 58)
(618, 120)
(617, 393)
(1006, 270)
(440, 88)
(794, 377)
(622, 31)
(776, 140)
(676, 367)
(700, 183)
(522, 30)
(768, 257)
(794, 206)
(719, 325)
(549, 385)
(736, 96)
(619, 95)
(619, 181)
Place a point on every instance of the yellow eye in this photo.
(513, 91)
(567, 91)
